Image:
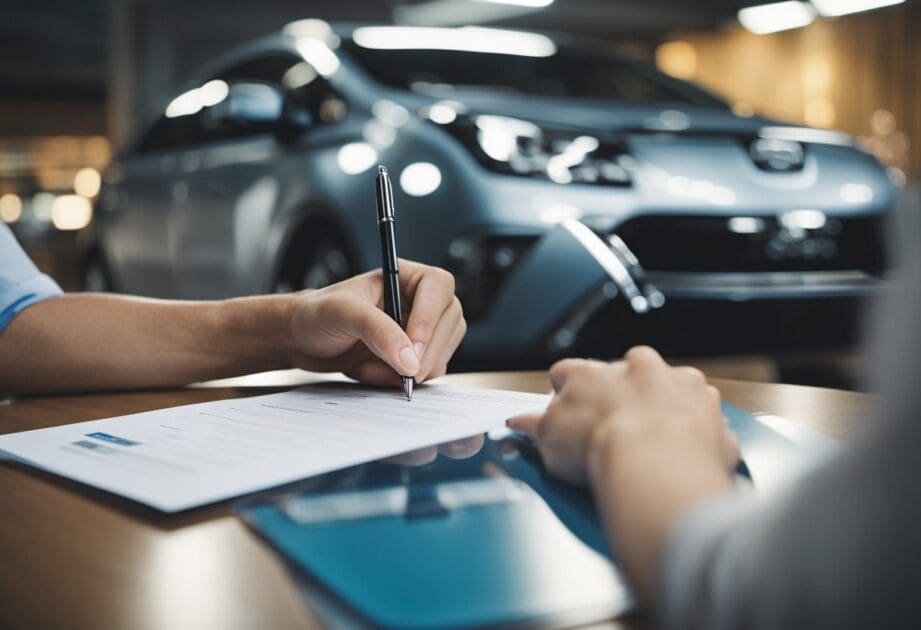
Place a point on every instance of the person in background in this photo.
(842, 549)
(52, 342)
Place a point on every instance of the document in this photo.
(182, 457)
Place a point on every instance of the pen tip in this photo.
(381, 169)
(408, 387)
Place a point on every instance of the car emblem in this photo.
(774, 154)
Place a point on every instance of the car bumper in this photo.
(564, 299)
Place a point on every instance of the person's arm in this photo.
(95, 341)
(648, 438)
(839, 550)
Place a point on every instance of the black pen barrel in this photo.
(390, 265)
(392, 297)
(388, 246)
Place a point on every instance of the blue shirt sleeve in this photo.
(21, 283)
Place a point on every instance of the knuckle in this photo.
(445, 278)
(380, 333)
(422, 327)
(641, 355)
(563, 366)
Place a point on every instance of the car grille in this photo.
(714, 244)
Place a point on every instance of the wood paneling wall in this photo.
(859, 64)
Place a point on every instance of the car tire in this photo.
(96, 275)
(317, 257)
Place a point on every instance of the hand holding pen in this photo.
(429, 341)
(342, 327)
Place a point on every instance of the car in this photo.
(584, 202)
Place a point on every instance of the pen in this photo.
(385, 221)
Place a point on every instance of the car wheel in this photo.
(96, 277)
(316, 258)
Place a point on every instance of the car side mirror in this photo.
(257, 106)
(249, 104)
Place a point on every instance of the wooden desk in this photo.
(74, 557)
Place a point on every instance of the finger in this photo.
(375, 372)
(525, 423)
(380, 333)
(714, 394)
(731, 449)
(440, 368)
(447, 337)
(561, 370)
(462, 449)
(431, 291)
(418, 457)
(692, 373)
(643, 356)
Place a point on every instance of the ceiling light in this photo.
(10, 208)
(536, 4)
(778, 16)
(87, 182)
(71, 212)
(465, 39)
(834, 8)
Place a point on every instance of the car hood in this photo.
(603, 115)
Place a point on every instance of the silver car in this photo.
(584, 202)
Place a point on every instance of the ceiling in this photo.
(53, 53)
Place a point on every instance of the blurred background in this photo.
(75, 76)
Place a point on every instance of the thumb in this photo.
(526, 423)
(382, 336)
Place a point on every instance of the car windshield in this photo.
(568, 72)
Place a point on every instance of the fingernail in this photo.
(409, 361)
(419, 347)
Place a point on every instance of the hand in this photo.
(623, 404)
(649, 438)
(343, 327)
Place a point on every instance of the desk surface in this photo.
(79, 558)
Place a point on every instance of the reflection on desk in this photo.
(120, 566)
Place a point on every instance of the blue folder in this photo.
(491, 540)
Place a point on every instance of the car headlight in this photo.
(518, 147)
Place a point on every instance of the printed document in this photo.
(178, 458)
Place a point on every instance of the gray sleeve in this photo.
(843, 548)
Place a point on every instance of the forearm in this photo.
(642, 492)
(96, 341)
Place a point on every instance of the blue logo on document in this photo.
(112, 439)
